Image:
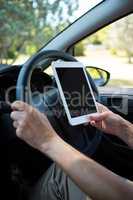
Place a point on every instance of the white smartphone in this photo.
(75, 91)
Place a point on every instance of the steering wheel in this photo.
(84, 138)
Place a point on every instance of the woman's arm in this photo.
(95, 180)
(111, 123)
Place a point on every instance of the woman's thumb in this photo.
(99, 116)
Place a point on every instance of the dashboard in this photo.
(8, 80)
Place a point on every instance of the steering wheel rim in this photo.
(24, 78)
(23, 82)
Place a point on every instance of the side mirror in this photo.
(100, 76)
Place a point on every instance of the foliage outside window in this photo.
(26, 25)
(112, 49)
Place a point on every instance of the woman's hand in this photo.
(31, 125)
(107, 121)
(113, 124)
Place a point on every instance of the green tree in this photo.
(99, 37)
(121, 37)
(80, 48)
(25, 25)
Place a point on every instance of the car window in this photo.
(26, 26)
(111, 49)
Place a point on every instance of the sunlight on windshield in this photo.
(42, 22)
(84, 7)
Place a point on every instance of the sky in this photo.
(85, 5)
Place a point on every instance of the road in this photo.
(118, 67)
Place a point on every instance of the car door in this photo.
(110, 49)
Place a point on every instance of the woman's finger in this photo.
(99, 116)
(15, 124)
(19, 106)
(16, 115)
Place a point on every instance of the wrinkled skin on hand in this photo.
(31, 125)
(107, 121)
(34, 128)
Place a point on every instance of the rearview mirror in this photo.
(100, 76)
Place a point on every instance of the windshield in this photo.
(28, 25)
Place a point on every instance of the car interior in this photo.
(22, 166)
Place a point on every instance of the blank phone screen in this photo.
(76, 91)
